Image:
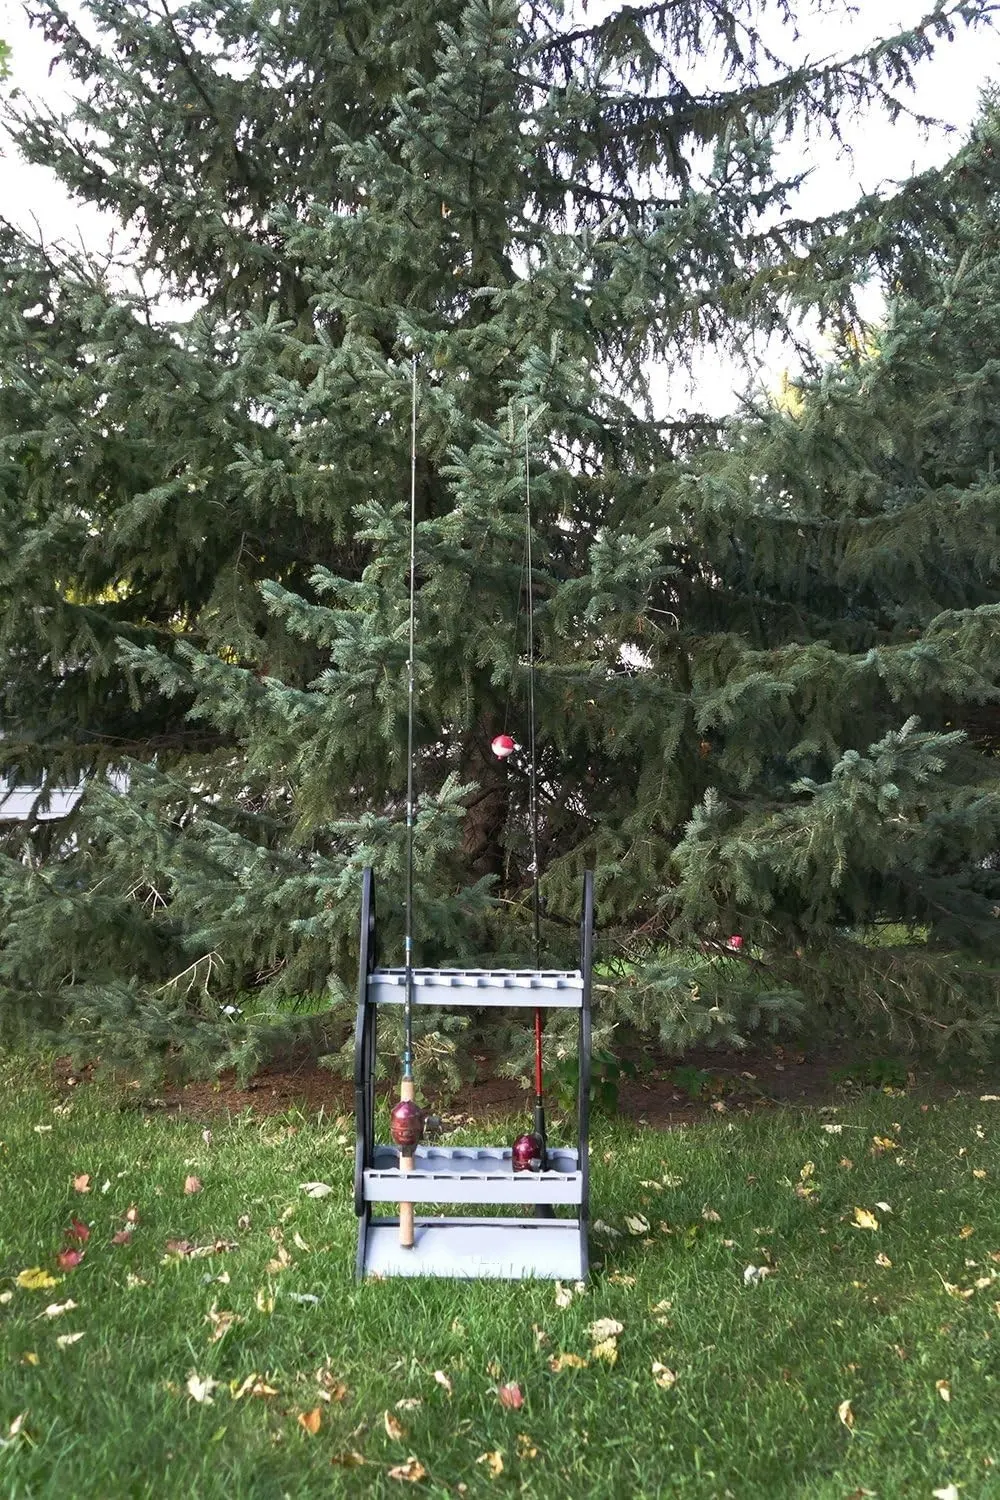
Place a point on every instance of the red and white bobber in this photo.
(502, 746)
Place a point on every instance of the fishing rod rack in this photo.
(551, 1240)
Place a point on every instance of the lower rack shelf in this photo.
(470, 1249)
(471, 1174)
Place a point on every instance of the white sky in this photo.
(948, 88)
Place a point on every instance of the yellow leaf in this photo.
(620, 1279)
(567, 1362)
(34, 1279)
(864, 1219)
(845, 1414)
(966, 1231)
(264, 1302)
(606, 1350)
(411, 1472)
(664, 1378)
(605, 1328)
(883, 1260)
(29, 1358)
(943, 1389)
(525, 1446)
(310, 1421)
(393, 1427)
(352, 1459)
(978, 1172)
(253, 1385)
(493, 1461)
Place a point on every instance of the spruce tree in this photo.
(203, 519)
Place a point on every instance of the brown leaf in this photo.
(664, 1378)
(411, 1472)
(511, 1396)
(845, 1414)
(352, 1459)
(393, 1427)
(123, 1237)
(69, 1259)
(78, 1231)
(192, 1184)
(310, 1421)
(82, 1183)
(966, 1232)
(525, 1446)
(132, 1214)
(943, 1389)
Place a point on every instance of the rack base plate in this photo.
(473, 1249)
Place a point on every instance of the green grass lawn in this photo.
(899, 1320)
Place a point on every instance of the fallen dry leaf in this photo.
(664, 1378)
(567, 1362)
(607, 1351)
(411, 1472)
(950, 1491)
(618, 1278)
(34, 1279)
(493, 1462)
(525, 1446)
(78, 1230)
(511, 1396)
(966, 1232)
(6, 1297)
(200, 1389)
(29, 1357)
(123, 1236)
(311, 1421)
(845, 1414)
(352, 1459)
(605, 1328)
(68, 1260)
(132, 1214)
(56, 1309)
(253, 1385)
(192, 1185)
(443, 1381)
(82, 1183)
(65, 1339)
(393, 1427)
(636, 1224)
(408, 1403)
(316, 1189)
(883, 1260)
(943, 1389)
(221, 1323)
(864, 1219)
(263, 1301)
(710, 1216)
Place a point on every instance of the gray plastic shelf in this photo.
(547, 987)
(471, 1174)
(468, 1249)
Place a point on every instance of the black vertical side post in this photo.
(364, 1065)
(586, 970)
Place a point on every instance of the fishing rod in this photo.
(529, 1153)
(406, 1120)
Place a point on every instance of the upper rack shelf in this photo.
(550, 988)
